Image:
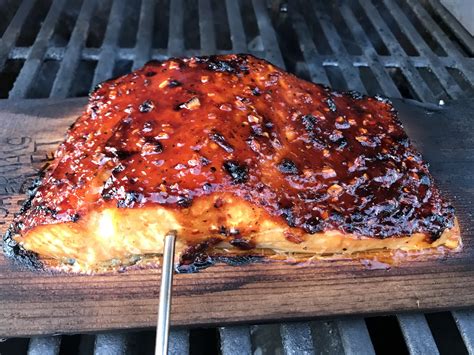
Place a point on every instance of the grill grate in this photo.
(406, 48)
(399, 48)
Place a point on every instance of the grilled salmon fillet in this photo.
(235, 154)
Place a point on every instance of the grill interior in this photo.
(407, 48)
(410, 48)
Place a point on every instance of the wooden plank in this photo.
(39, 303)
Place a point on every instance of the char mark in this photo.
(309, 122)
(131, 198)
(331, 104)
(383, 99)
(45, 210)
(287, 166)
(355, 95)
(288, 215)
(195, 257)
(204, 161)
(243, 244)
(184, 201)
(207, 187)
(118, 169)
(312, 225)
(233, 66)
(238, 172)
(220, 140)
(20, 255)
(123, 154)
(239, 260)
(256, 91)
(174, 83)
(146, 106)
(155, 144)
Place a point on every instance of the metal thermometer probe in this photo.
(164, 307)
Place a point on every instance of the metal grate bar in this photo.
(44, 345)
(237, 34)
(326, 338)
(36, 54)
(178, 342)
(465, 322)
(355, 337)
(435, 31)
(235, 340)
(313, 60)
(376, 64)
(112, 343)
(417, 62)
(206, 28)
(461, 63)
(455, 26)
(175, 37)
(268, 35)
(386, 83)
(64, 78)
(105, 65)
(57, 53)
(7, 41)
(351, 76)
(417, 334)
(144, 34)
(416, 81)
(446, 80)
(297, 339)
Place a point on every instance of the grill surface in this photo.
(407, 48)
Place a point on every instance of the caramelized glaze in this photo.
(180, 129)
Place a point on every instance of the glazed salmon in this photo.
(235, 154)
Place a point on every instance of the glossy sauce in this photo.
(183, 128)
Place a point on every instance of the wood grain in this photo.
(34, 303)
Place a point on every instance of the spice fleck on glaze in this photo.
(180, 129)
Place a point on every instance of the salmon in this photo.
(234, 154)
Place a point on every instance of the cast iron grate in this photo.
(404, 48)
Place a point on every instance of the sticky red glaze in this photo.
(179, 129)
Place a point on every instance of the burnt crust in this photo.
(11, 249)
